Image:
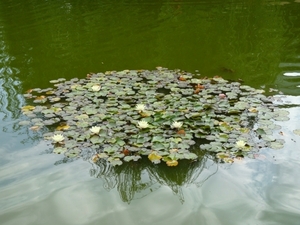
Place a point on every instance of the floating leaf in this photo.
(154, 156)
(132, 158)
(228, 160)
(215, 112)
(103, 155)
(59, 150)
(260, 131)
(56, 99)
(72, 153)
(190, 156)
(268, 138)
(115, 161)
(54, 81)
(95, 139)
(223, 155)
(28, 108)
(24, 123)
(158, 146)
(276, 145)
(63, 127)
(172, 163)
(35, 128)
(297, 131)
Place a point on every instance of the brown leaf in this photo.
(182, 78)
(181, 132)
(40, 97)
(126, 151)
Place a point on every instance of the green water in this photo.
(256, 41)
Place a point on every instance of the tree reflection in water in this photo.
(137, 179)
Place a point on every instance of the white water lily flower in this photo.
(96, 88)
(240, 144)
(176, 124)
(143, 124)
(140, 107)
(57, 138)
(95, 130)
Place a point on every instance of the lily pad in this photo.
(297, 131)
(276, 145)
(115, 161)
(154, 157)
(59, 150)
(24, 123)
(215, 114)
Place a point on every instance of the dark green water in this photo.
(256, 41)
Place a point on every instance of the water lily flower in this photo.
(96, 88)
(140, 107)
(240, 144)
(143, 124)
(57, 138)
(95, 130)
(176, 124)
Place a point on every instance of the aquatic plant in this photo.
(143, 124)
(95, 130)
(176, 124)
(140, 107)
(57, 138)
(162, 114)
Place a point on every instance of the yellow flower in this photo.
(57, 138)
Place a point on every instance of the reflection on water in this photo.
(257, 41)
(250, 39)
(135, 180)
(9, 86)
(10, 98)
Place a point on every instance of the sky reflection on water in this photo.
(257, 41)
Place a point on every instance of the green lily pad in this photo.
(222, 155)
(59, 150)
(96, 139)
(276, 145)
(297, 131)
(73, 153)
(132, 158)
(216, 114)
(115, 161)
(24, 123)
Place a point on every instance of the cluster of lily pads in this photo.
(167, 115)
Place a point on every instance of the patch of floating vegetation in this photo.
(166, 115)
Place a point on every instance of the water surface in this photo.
(256, 41)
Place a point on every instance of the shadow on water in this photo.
(137, 179)
(11, 99)
(257, 41)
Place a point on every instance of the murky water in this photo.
(256, 41)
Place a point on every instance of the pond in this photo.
(254, 42)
